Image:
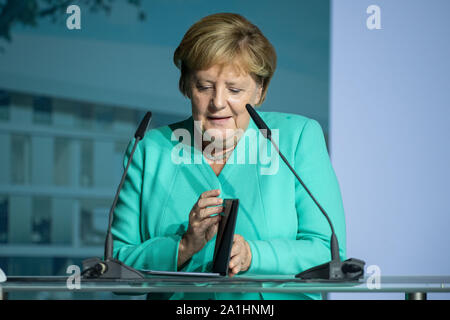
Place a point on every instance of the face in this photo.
(218, 96)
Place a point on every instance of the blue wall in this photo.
(389, 134)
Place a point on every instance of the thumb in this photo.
(211, 231)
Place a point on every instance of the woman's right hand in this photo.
(202, 227)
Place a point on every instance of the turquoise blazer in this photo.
(286, 231)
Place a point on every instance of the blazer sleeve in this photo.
(157, 253)
(312, 244)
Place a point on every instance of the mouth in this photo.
(219, 120)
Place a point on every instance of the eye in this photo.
(203, 88)
(234, 90)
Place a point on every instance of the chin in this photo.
(219, 134)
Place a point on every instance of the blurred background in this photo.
(70, 101)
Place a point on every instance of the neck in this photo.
(217, 153)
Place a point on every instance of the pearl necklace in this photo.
(221, 156)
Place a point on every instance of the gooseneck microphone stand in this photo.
(334, 270)
(110, 268)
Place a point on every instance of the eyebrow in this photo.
(229, 83)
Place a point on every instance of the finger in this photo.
(207, 212)
(211, 231)
(233, 271)
(235, 262)
(237, 238)
(235, 249)
(205, 195)
(207, 202)
(198, 212)
(199, 225)
(237, 244)
(207, 223)
(210, 193)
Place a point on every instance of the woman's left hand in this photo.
(241, 256)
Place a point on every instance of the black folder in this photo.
(222, 250)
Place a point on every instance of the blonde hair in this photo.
(225, 38)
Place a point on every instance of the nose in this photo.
(219, 99)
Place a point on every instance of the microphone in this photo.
(335, 270)
(112, 268)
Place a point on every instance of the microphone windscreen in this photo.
(262, 126)
(140, 132)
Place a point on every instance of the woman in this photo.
(169, 207)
